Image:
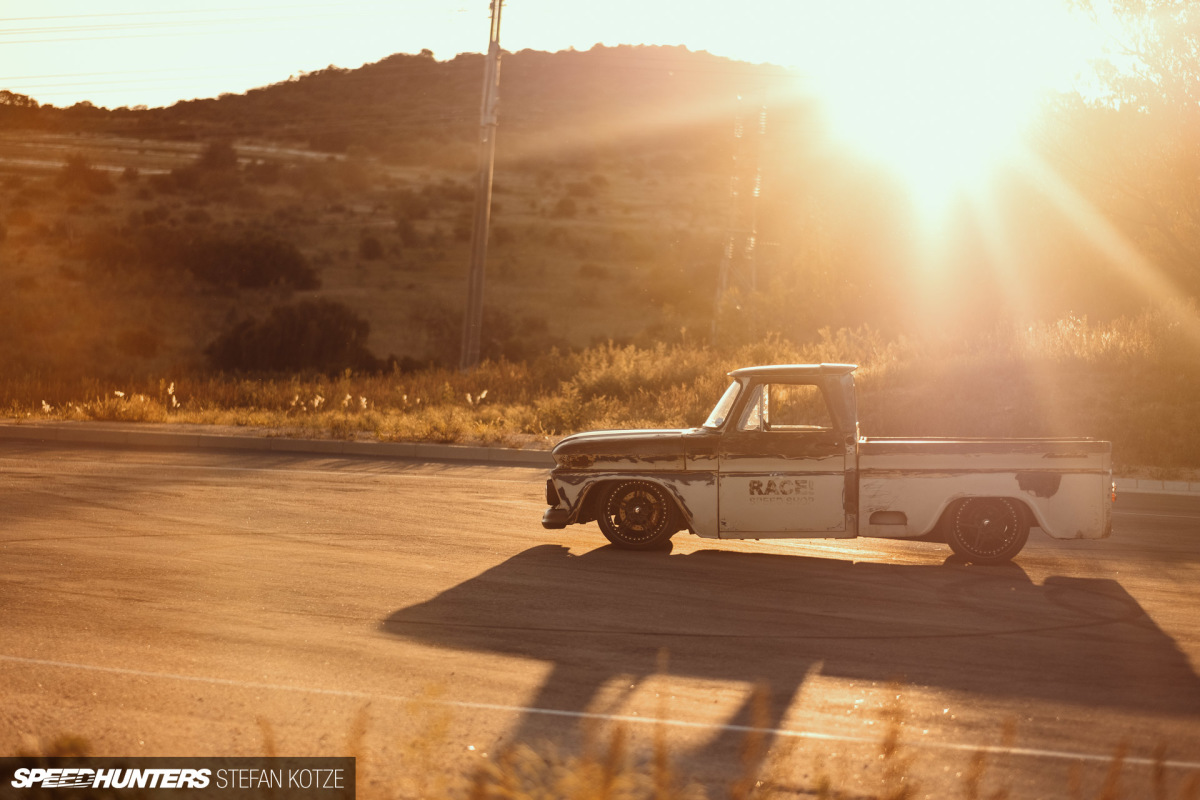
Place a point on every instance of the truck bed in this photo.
(905, 484)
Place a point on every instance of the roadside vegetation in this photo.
(1132, 381)
(643, 762)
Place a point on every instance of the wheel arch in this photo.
(938, 532)
(593, 495)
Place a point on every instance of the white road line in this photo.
(1028, 752)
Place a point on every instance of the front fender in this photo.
(695, 494)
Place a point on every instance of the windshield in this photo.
(717, 418)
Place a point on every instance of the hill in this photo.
(610, 205)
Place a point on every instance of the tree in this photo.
(14, 100)
(78, 172)
(1135, 149)
(218, 156)
(1154, 60)
(312, 335)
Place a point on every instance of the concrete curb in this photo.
(150, 435)
(1145, 486)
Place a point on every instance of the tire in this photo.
(637, 515)
(987, 530)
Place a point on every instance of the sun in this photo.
(942, 93)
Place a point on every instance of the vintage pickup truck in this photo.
(781, 457)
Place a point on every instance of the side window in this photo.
(796, 407)
(786, 407)
(756, 410)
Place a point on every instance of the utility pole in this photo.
(473, 322)
(739, 267)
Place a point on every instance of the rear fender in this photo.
(1077, 509)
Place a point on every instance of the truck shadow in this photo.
(765, 618)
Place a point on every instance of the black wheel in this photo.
(987, 530)
(637, 515)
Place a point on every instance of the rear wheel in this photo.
(637, 515)
(987, 530)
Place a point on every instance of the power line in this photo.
(205, 70)
(177, 12)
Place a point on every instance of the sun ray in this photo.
(1006, 262)
(1119, 253)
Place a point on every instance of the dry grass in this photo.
(1134, 382)
(610, 765)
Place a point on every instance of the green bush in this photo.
(565, 208)
(218, 156)
(370, 248)
(581, 189)
(409, 235)
(310, 336)
(139, 342)
(80, 174)
(592, 271)
(251, 260)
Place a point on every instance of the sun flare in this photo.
(941, 93)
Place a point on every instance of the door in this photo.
(782, 470)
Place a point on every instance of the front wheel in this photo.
(637, 515)
(987, 530)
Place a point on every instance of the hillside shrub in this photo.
(581, 189)
(370, 248)
(502, 335)
(565, 208)
(163, 183)
(309, 336)
(267, 173)
(78, 173)
(251, 261)
(408, 233)
(410, 206)
(591, 271)
(449, 191)
(139, 342)
(218, 156)
(186, 179)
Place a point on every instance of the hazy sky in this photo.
(135, 52)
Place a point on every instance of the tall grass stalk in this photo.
(612, 767)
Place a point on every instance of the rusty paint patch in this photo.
(1041, 484)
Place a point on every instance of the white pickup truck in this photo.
(781, 457)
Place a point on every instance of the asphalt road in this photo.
(419, 617)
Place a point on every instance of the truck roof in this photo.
(793, 370)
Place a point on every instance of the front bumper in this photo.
(555, 518)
